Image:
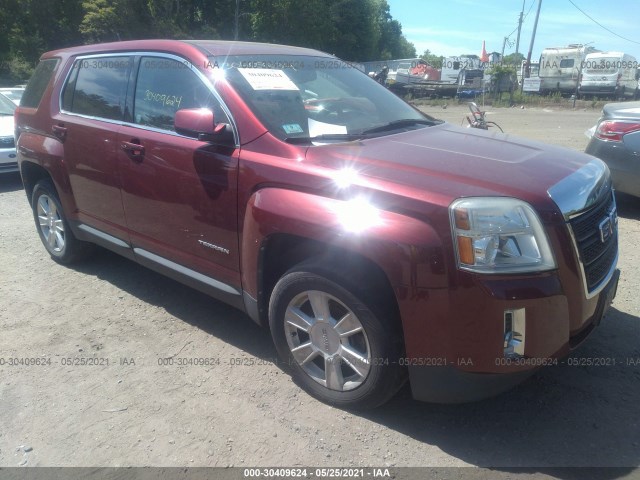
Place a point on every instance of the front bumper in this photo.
(486, 333)
(598, 90)
(449, 380)
(8, 160)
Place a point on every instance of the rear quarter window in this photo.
(38, 83)
(97, 87)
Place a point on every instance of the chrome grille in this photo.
(597, 250)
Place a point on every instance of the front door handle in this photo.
(133, 149)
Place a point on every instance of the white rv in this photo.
(613, 74)
(560, 68)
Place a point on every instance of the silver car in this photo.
(8, 160)
(14, 94)
(616, 141)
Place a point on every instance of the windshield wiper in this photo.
(396, 124)
(327, 136)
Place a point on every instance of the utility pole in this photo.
(504, 43)
(533, 39)
(520, 28)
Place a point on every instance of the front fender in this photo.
(407, 250)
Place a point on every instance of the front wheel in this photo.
(53, 227)
(340, 347)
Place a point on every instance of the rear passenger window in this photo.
(165, 86)
(38, 83)
(97, 87)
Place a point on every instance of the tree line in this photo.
(356, 30)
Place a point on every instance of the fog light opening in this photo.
(514, 332)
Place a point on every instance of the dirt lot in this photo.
(245, 411)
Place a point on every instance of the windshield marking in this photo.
(267, 79)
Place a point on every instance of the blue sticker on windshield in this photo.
(292, 128)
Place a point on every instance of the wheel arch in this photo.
(31, 174)
(282, 228)
(42, 156)
(282, 252)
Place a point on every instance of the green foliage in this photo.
(432, 59)
(101, 22)
(356, 30)
(497, 70)
(20, 69)
(513, 59)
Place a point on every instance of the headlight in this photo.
(499, 235)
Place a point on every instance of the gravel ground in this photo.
(244, 411)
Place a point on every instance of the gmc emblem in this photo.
(608, 226)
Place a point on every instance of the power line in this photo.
(600, 25)
(523, 18)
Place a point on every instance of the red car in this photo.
(376, 243)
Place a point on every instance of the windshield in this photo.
(6, 106)
(302, 98)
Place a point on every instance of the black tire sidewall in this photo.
(385, 373)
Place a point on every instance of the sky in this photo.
(455, 27)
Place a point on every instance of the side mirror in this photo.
(197, 122)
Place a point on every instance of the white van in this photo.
(560, 68)
(613, 74)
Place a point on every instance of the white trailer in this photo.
(560, 68)
(611, 74)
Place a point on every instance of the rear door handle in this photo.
(133, 149)
(59, 131)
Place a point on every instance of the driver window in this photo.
(165, 86)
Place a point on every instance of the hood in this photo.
(447, 162)
(6, 126)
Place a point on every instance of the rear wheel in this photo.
(53, 227)
(339, 345)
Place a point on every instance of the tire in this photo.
(53, 227)
(349, 360)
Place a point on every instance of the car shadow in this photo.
(572, 414)
(628, 206)
(189, 305)
(581, 413)
(10, 182)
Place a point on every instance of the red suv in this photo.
(375, 242)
